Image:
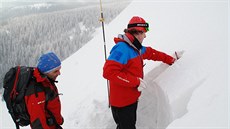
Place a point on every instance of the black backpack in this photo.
(15, 84)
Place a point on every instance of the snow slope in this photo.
(193, 92)
(190, 94)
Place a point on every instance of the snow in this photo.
(190, 94)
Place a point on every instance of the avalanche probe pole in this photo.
(103, 29)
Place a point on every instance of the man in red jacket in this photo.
(124, 70)
(42, 100)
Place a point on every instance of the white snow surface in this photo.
(190, 94)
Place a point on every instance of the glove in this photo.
(142, 85)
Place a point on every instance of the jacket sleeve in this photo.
(114, 67)
(152, 54)
(37, 113)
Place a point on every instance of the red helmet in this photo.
(138, 23)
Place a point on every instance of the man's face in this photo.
(53, 74)
(140, 36)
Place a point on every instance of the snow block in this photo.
(153, 109)
(168, 92)
(178, 83)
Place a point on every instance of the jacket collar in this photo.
(42, 77)
(39, 76)
(129, 39)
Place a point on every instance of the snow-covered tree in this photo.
(24, 39)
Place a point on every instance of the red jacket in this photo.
(36, 101)
(124, 67)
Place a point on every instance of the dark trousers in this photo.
(125, 117)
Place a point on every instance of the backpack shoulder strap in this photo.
(33, 88)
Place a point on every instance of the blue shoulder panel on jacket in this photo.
(119, 53)
(122, 53)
